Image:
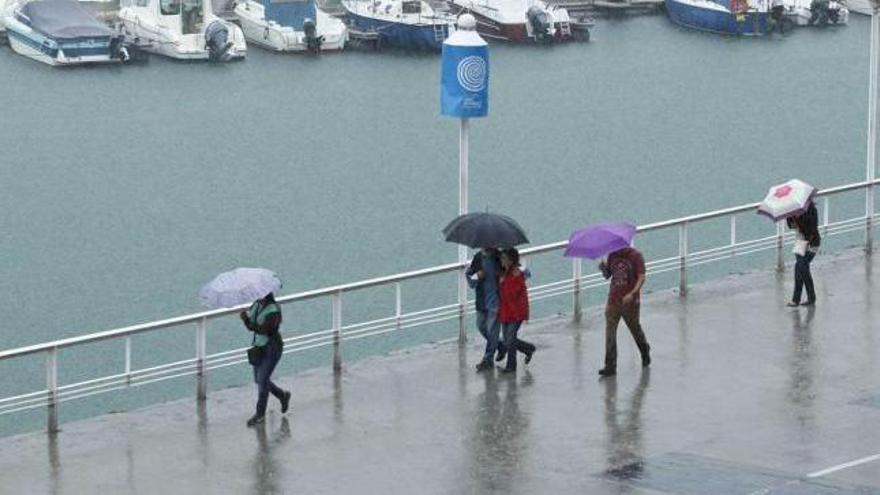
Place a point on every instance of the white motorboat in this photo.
(181, 29)
(60, 32)
(290, 26)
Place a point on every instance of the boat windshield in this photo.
(192, 16)
(169, 7)
(411, 6)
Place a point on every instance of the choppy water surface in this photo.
(123, 189)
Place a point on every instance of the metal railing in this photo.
(202, 362)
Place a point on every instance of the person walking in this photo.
(482, 275)
(263, 318)
(806, 246)
(626, 269)
(514, 308)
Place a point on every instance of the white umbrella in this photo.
(239, 286)
(787, 200)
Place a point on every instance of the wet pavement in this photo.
(744, 397)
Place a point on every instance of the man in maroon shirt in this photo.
(626, 269)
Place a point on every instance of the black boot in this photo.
(606, 371)
(285, 402)
(255, 420)
(646, 356)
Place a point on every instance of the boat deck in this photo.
(744, 397)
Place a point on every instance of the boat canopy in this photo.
(289, 12)
(63, 19)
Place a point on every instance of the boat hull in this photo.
(717, 21)
(407, 36)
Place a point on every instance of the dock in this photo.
(744, 396)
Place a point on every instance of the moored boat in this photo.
(409, 24)
(518, 20)
(291, 25)
(60, 32)
(816, 12)
(742, 17)
(181, 29)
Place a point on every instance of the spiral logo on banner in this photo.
(472, 73)
(464, 79)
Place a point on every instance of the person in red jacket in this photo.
(514, 308)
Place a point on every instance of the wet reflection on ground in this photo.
(500, 431)
(623, 440)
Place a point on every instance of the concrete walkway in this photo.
(744, 397)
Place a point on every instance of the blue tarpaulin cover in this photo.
(64, 19)
(289, 12)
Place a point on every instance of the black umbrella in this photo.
(479, 230)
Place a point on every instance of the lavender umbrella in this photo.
(599, 240)
(239, 286)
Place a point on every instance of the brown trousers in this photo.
(630, 315)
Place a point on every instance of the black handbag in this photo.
(255, 355)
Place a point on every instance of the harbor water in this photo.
(124, 189)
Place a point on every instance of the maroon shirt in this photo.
(624, 267)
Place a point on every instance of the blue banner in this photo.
(464, 85)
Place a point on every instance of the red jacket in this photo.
(514, 297)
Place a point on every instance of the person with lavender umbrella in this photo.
(625, 266)
(263, 318)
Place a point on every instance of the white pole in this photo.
(870, 169)
(462, 209)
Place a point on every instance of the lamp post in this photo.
(870, 169)
(464, 93)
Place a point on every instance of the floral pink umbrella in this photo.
(787, 200)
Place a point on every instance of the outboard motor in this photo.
(217, 42)
(539, 22)
(118, 50)
(313, 41)
(834, 12)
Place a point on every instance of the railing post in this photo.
(576, 270)
(826, 208)
(462, 296)
(869, 217)
(336, 307)
(398, 304)
(128, 360)
(682, 258)
(733, 234)
(52, 388)
(201, 353)
(780, 260)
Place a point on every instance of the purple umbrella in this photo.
(599, 240)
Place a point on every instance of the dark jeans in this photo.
(489, 327)
(803, 278)
(513, 344)
(263, 376)
(630, 315)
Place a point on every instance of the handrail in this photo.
(384, 280)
